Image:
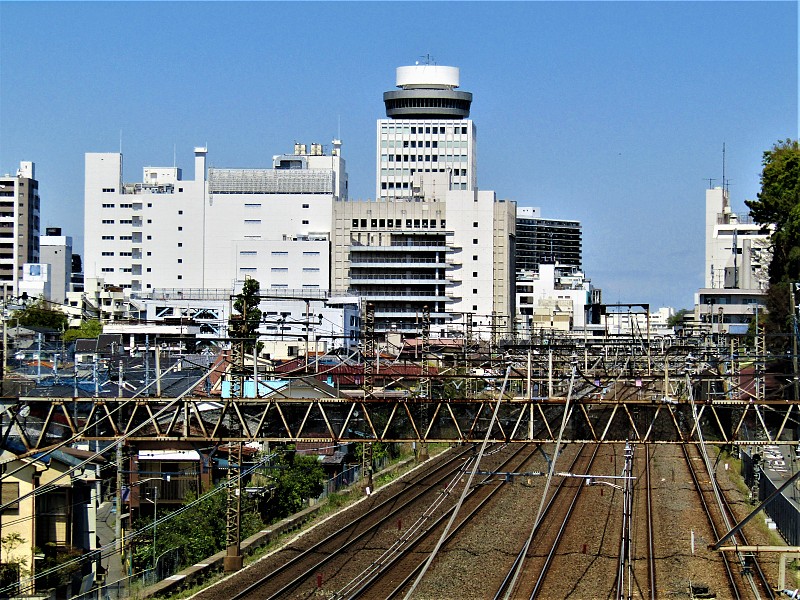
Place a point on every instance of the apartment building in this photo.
(19, 225)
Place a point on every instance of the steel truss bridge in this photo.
(610, 390)
(706, 388)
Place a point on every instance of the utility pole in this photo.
(792, 289)
(368, 384)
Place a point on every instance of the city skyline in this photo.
(587, 110)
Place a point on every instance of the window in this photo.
(305, 221)
(252, 205)
(310, 253)
(108, 254)
(123, 237)
(279, 270)
(149, 254)
(474, 223)
(150, 237)
(180, 276)
(108, 206)
(474, 257)
(252, 221)
(474, 308)
(474, 291)
(107, 269)
(109, 190)
(474, 273)
(126, 205)
(279, 253)
(248, 253)
(180, 260)
(180, 212)
(355, 221)
(126, 221)
(474, 240)
(180, 244)
(305, 205)
(180, 228)
(149, 269)
(108, 221)
(310, 270)
(108, 237)
(10, 494)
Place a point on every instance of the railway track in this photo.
(366, 536)
(744, 575)
(547, 532)
(395, 572)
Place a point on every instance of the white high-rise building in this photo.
(221, 227)
(19, 225)
(737, 255)
(427, 133)
(431, 242)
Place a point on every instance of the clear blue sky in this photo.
(611, 113)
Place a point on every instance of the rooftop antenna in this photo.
(724, 183)
(339, 127)
(427, 59)
(710, 179)
(120, 141)
(173, 154)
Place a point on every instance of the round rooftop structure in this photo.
(427, 92)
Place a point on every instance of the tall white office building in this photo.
(427, 132)
(431, 242)
(221, 227)
(19, 225)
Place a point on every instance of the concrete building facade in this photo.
(19, 225)
(737, 255)
(427, 132)
(432, 241)
(217, 229)
(541, 240)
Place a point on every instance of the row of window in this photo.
(424, 158)
(421, 144)
(394, 223)
(275, 253)
(404, 185)
(407, 172)
(433, 130)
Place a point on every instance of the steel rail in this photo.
(732, 582)
(651, 544)
(377, 570)
(504, 585)
(441, 472)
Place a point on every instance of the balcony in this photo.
(399, 262)
(398, 279)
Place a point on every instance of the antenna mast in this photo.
(724, 181)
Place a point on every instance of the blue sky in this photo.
(611, 113)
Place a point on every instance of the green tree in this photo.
(676, 320)
(778, 205)
(41, 314)
(302, 479)
(88, 329)
(197, 533)
(245, 323)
